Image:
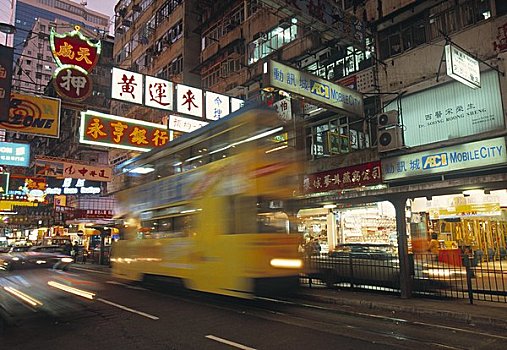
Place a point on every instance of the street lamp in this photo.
(7, 29)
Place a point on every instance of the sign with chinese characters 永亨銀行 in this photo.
(217, 105)
(472, 155)
(280, 76)
(119, 132)
(127, 86)
(366, 174)
(75, 56)
(87, 172)
(33, 115)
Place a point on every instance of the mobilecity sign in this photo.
(465, 156)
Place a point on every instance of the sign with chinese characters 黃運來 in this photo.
(127, 86)
(189, 100)
(472, 155)
(184, 124)
(366, 174)
(217, 106)
(33, 115)
(15, 154)
(280, 76)
(462, 67)
(158, 93)
(452, 110)
(87, 172)
(119, 132)
(75, 56)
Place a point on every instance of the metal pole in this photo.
(401, 228)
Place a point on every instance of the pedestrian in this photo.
(67, 248)
(75, 251)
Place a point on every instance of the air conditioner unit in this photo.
(387, 119)
(390, 139)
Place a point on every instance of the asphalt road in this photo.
(50, 315)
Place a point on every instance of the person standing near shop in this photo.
(75, 251)
(434, 245)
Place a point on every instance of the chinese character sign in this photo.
(87, 172)
(184, 124)
(74, 49)
(16, 154)
(342, 178)
(236, 103)
(189, 100)
(283, 108)
(158, 93)
(127, 86)
(217, 106)
(118, 132)
(72, 83)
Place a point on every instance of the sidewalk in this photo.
(481, 313)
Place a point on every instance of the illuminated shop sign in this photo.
(189, 100)
(33, 115)
(343, 178)
(236, 103)
(118, 132)
(127, 86)
(471, 155)
(217, 106)
(71, 186)
(462, 67)
(158, 93)
(87, 172)
(184, 124)
(452, 110)
(289, 79)
(75, 56)
(283, 108)
(6, 58)
(16, 154)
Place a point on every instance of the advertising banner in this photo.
(33, 115)
(471, 155)
(87, 172)
(452, 110)
(6, 57)
(119, 132)
(304, 84)
(16, 154)
(342, 178)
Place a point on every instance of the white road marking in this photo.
(128, 309)
(228, 342)
(89, 270)
(125, 285)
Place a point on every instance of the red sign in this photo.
(93, 214)
(73, 84)
(118, 132)
(342, 178)
(74, 49)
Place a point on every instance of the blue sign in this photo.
(479, 154)
(16, 154)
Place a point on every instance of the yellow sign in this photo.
(307, 85)
(34, 115)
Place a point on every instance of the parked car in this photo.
(36, 257)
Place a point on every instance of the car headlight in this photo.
(67, 260)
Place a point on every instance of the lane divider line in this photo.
(228, 342)
(128, 309)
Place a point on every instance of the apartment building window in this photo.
(272, 40)
(38, 75)
(40, 56)
(218, 30)
(211, 76)
(448, 17)
(173, 68)
(166, 9)
(28, 62)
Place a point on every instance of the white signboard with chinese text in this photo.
(217, 106)
(184, 124)
(304, 84)
(471, 155)
(462, 67)
(87, 172)
(127, 86)
(236, 103)
(283, 108)
(452, 110)
(189, 100)
(158, 93)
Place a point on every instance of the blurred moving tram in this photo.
(209, 209)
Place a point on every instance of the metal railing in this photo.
(449, 274)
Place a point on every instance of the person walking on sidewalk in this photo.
(75, 251)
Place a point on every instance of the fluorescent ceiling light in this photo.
(141, 170)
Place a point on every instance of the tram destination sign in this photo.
(479, 154)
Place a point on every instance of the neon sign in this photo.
(75, 56)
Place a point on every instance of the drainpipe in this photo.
(399, 203)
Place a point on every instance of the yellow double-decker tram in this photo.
(208, 209)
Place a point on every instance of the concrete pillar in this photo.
(399, 203)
